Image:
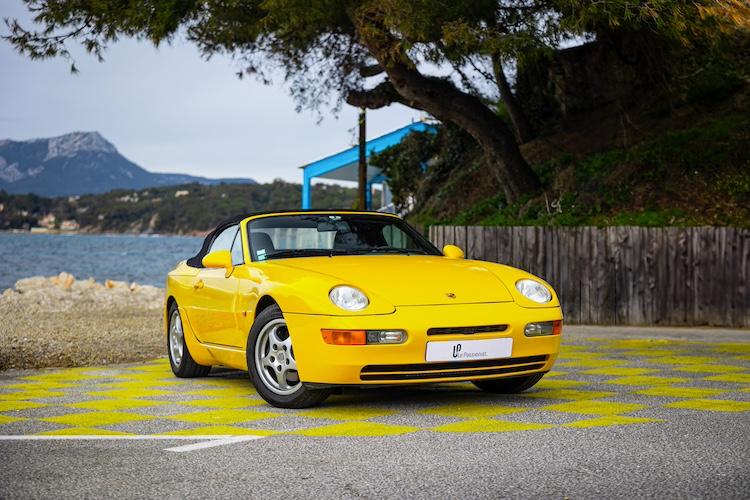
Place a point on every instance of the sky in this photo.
(169, 110)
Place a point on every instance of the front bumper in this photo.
(321, 363)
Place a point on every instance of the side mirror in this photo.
(218, 260)
(453, 252)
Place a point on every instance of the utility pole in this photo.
(362, 176)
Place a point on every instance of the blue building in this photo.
(343, 166)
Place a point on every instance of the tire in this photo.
(272, 367)
(182, 363)
(509, 385)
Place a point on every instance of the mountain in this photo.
(80, 163)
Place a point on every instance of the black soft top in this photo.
(197, 259)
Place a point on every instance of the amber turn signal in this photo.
(344, 337)
(557, 327)
(543, 328)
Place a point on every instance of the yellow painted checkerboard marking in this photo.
(647, 380)
(596, 386)
(19, 405)
(706, 368)
(734, 378)
(357, 429)
(221, 430)
(610, 420)
(649, 353)
(114, 404)
(95, 418)
(591, 363)
(712, 405)
(681, 360)
(37, 386)
(491, 425)
(596, 407)
(83, 431)
(31, 394)
(66, 376)
(620, 371)
(680, 392)
(4, 419)
(228, 392)
(129, 393)
(569, 394)
(558, 384)
(225, 402)
(472, 410)
(640, 343)
(345, 413)
(732, 348)
(223, 417)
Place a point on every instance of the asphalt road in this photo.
(627, 413)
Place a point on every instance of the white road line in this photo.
(211, 444)
(96, 437)
(207, 441)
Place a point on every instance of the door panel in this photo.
(213, 315)
(212, 310)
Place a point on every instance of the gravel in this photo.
(61, 321)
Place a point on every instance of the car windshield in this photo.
(310, 235)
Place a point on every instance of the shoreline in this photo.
(194, 234)
(62, 322)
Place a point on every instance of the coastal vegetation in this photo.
(687, 168)
(186, 209)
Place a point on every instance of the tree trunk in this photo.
(524, 130)
(447, 103)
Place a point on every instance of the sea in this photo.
(143, 259)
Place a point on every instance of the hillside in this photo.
(79, 163)
(656, 165)
(190, 208)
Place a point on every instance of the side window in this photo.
(237, 257)
(224, 240)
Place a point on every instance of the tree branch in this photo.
(371, 70)
(379, 97)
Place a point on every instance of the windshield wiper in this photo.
(384, 249)
(299, 252)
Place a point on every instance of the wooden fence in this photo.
(626, 275)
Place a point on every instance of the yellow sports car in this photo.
(309, 301)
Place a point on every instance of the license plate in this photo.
(468, 350)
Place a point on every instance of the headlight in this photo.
(349, 298)
(533, 290)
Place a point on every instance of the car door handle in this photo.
(198, 285)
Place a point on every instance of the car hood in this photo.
(410, 280)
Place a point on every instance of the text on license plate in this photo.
(467, 350)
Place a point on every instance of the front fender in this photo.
(305, 292)
(510, 275)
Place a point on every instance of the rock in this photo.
(89, 284)
(34, 283)
(66, 280)
(64, 293)
(63, 280)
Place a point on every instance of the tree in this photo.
(324, 49)
(371, 53)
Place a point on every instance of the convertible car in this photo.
(310, 301)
